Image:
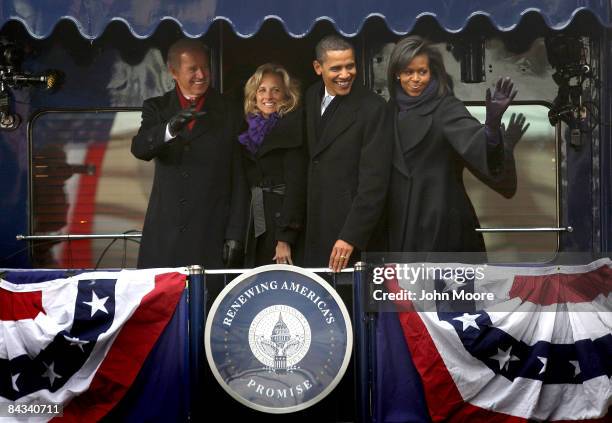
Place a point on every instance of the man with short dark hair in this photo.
(194, 212)
(349, 146)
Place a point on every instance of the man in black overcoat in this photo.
(198, 194)
(349, 146)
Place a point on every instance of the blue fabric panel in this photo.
(298, 17)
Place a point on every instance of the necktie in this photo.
(326, 100)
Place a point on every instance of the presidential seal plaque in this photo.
(278, 338)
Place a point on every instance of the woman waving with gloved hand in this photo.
(435, 139)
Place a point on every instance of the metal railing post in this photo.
(197, 296)
(361, 349)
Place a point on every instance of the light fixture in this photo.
(11, 76)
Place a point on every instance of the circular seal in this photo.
(272, 337)
(278, 338)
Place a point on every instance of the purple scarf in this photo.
(259, 127)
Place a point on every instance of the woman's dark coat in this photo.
(280, 160)
(198, 188)
(428, 207)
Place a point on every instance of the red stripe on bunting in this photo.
(20, 305)
(563, 288)
(129, 351)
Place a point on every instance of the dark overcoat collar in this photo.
(419, 120)
(344, 116)
(283, 135)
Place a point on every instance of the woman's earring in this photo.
(398, 78)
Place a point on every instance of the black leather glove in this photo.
(182, 118)
(498, 102)
(232, 253)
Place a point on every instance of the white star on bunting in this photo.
(504, 358)
(544, 361)
(576, 365)
(76, 341)
(468, 320)
(452, 285)
(96, 303)
(14, 381)
(50, 373)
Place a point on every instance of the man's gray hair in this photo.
(331, 43)
(183, 45)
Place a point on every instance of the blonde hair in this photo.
(291, 89)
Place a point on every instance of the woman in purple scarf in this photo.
(274, 163)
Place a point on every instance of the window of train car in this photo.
(86, 181)
(535, 203)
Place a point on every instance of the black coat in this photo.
(428, 207)
(198, 187)
(348, 172)
(280, 160)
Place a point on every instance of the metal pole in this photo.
(605, 144)
(372, 351)
(67, 237)
(362, 381)
(562, 229)
(197, 295)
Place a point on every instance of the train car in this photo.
(74, 74)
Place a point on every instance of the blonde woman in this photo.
(274, 163)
